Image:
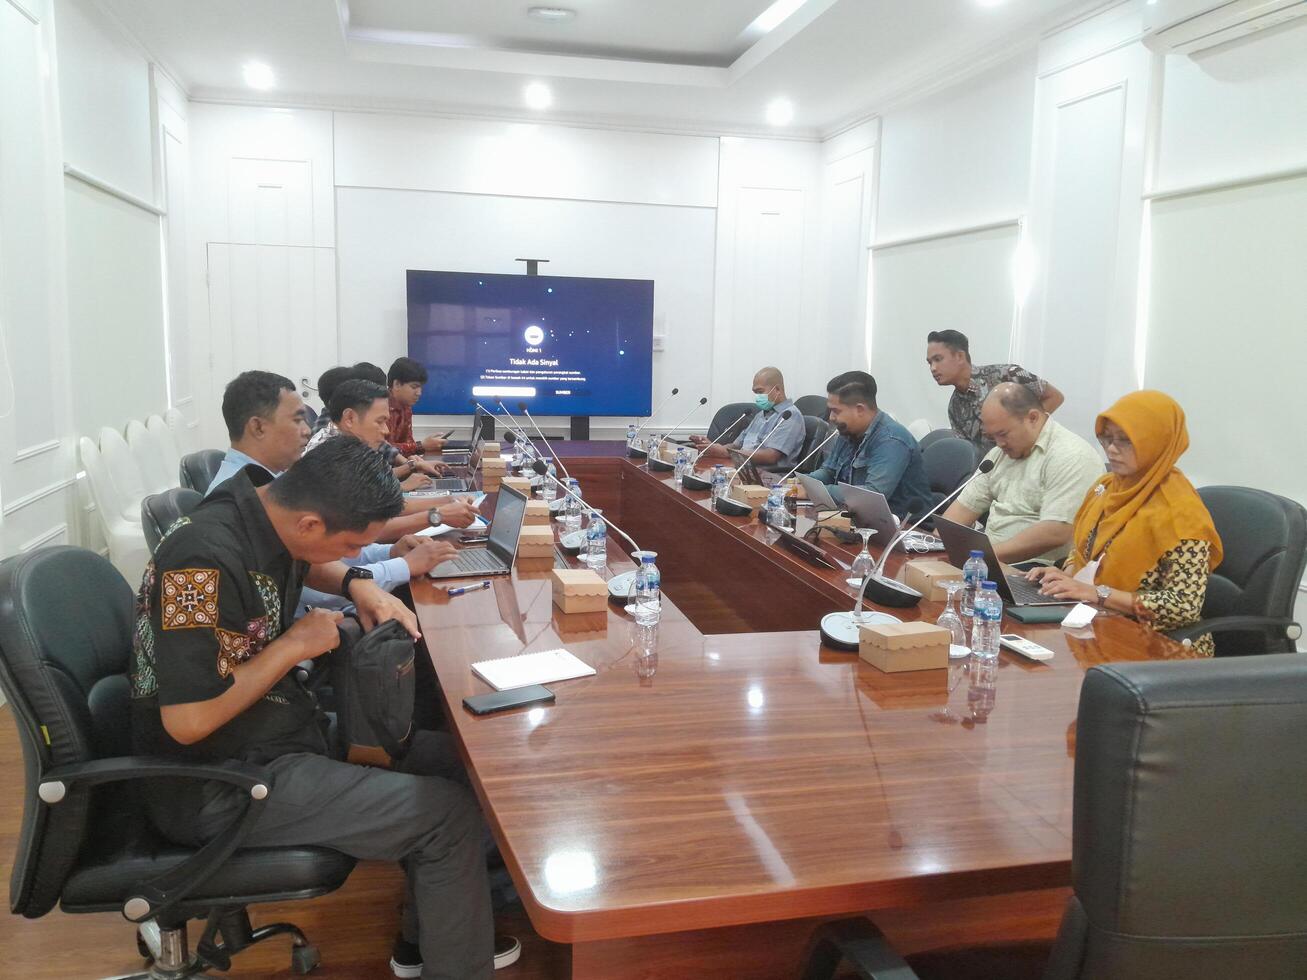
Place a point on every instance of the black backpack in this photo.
(374, 680)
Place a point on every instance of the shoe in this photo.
(507, 950)
(406, 958)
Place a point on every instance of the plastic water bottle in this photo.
(548, 488)
(718, 481)
(988, 623)
(982, 689)
(631, 431)
(596, 541)
(974, 572)
(648, 592)
(775, 502)
(682, 465)
(572, 509)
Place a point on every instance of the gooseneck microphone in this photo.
(521, 407)
(815, 449)
(723, 504)
(701, 403)
(785, 417)
(540, 467)
(724, 433)
(841, 629)
(661, 406)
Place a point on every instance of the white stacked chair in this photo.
(181, 435)
(126, 541)
(125, 477)
(151, 460)
(168, 445)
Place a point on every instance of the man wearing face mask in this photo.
(784, 436)
(875, 452)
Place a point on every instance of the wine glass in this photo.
(862, 565)
(951, 621)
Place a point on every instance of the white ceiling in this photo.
(681, 65)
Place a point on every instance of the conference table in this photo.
(703, 819)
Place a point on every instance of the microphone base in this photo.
(840, 630)
(692, 482)
(634, 453)
(660, 465)
(883, 591)
(731, 508)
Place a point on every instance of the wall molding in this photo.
(1013, 222)
(27, 500)
(1085, 59)
(43, 539)
(23, 9)
(112, 191)
(1232, 183)
(39, 449)
(525, 197)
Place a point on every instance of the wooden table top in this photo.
(760, 776)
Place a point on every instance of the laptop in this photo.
(870, 508)
(461, 446)
(746, 473)
(496, 558)
(1014, 590)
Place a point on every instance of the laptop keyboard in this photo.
(448, 483)
(472, 561)
(1027, 593)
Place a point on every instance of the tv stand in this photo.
(580, 431)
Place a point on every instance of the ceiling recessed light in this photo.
(258, 75)
(538, 95)
(554, 14)
(774, 16)
(780, 112)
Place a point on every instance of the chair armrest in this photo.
(1230, 624)
(153, 898)
(859, 942)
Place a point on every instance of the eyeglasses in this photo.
(1120, 443)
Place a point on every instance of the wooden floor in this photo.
(354, 926)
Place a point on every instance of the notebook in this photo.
(525, 669)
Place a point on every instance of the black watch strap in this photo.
(351, 574)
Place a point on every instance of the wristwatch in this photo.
(354, 572)
(433, 517)
(1104, 593)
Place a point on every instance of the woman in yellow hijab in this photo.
(1144, 542)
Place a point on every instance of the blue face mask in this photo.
(764, 403)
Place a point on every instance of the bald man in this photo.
(784, 436)
(1041, 474)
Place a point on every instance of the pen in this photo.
(468, 588)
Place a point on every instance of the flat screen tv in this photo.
(563, 345)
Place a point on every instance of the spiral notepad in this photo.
(545, 667)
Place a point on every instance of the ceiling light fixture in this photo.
(774, 16)
(780, 112)
(538, 95)
(553, 14)
(258, 75)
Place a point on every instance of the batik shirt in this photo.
(964, 406)
(220, 588)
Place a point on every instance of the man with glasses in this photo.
(1041, 473)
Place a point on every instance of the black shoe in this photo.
(406, 958)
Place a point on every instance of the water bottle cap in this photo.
(977, 553)
(717, 466)
(989, 586)
(647, 559)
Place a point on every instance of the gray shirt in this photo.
(788, 437)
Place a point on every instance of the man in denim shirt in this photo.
(875, 452)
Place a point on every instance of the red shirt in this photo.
(401, 428)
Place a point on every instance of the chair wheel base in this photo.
(304, 959)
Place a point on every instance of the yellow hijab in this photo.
(1146, 515)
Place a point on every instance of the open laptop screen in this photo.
(510, 509)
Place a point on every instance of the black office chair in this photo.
(934, 436)
(948, 463)
(814, 431)
(1250, 597)
(198, 469)
(66, 625)
(1187, 857)
(310, 415)
(160, 511)
(725, 417)
(813, 406)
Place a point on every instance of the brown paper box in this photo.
(537, 514)
(892, 647)
(490, 484)
(490, 449)
(750, 494)
(834, 520)
(494, 465)
(536, 542)
(580, 627)
(579, 590)
(519, 483)
(926, 574)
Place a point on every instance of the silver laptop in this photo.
(871, 509)
(1014, 589)
(496, 558)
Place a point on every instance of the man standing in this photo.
(784, 436)
(876, 452)
(212, 680)
(1041, 474)
(405, 379)
(948, 355)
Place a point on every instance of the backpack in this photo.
(374, 680)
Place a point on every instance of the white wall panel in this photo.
(115, 309)
(384, 233)
(174, 158)
(524, 159)
(104, 89)
(1235, 111)
(960, 158)
(959, 282)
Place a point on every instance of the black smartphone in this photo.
(484, 704)
(446, 435)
